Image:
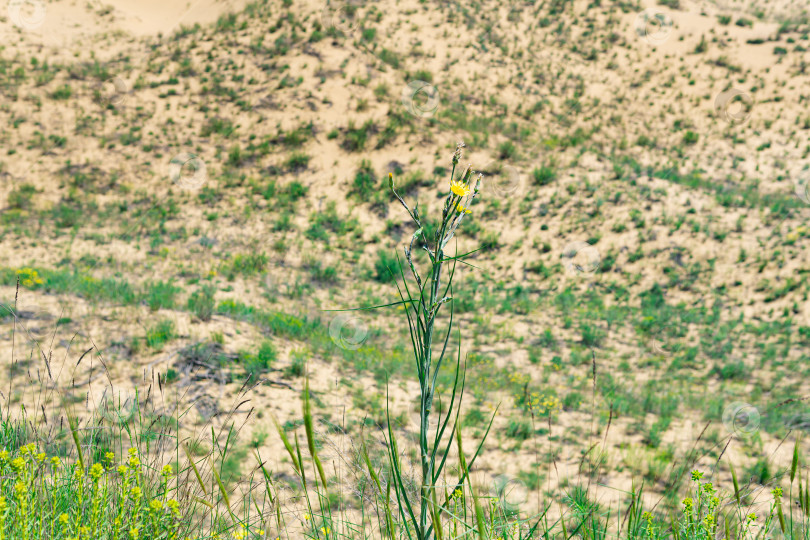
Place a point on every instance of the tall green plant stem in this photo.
(422, 313)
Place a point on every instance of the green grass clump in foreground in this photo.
(43, 496)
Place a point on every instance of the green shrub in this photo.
(259, 363)
(386, 267)
(544, 175)
(21, 196)
(63, 92)
(364, 184)
(160, 333)
(690, 137)
(247, 264)
(201, 302)
(161, 295)
(519, 429)
(356, 137)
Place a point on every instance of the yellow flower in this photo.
(134, 462)
(462, 209)
(156, 505)
(135, 493)
(41, 457)
(63, 518)
(167, 470)
(459, 188)
(306, 517)
(55, 461)
(110, 457)
(325, 530)
(174, 506)
(18, 464)
(133, 533)
(96, 471)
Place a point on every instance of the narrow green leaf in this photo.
(194, 468)
(310, 433)
(795, 463)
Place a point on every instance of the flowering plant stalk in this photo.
(422, 307)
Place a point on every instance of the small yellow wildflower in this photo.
(134, 462)
(325, 530)
(96, 471)
(18, 464)
(63, 518)
(122, 470)
(167, 470)
(133, 533)
(41, 457)
(155, 505)
(174, 506)
(110, 457)
(55, 461)
(135, 493)
(28, 449)
(306, 517)
(459, 188)
(462, 209)
(84, 531)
